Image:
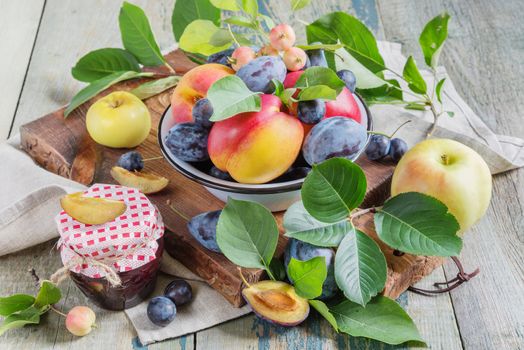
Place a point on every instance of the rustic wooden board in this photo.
(64, 147)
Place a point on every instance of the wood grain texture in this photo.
(484, 56)
(19, 21)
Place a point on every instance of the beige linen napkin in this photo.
(29, 196)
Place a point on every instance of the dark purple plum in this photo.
(202, 111)
(378, 147)
(188, 141)
(293, 174)
(311, 112)
(221, 57)
(317, 57)
(179, 291)
(334, 137)
(308, 63)
(348, 78)
(304, 251)
(203, 228)
(219, 174)
(131, 161)
(397, 149)
(161, 311)
(258, 73)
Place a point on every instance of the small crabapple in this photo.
(282, 37)
(294, 59)
(267, 50)
(80, 320)
(242, 56)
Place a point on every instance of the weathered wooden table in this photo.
(41, 39)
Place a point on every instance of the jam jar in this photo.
(131, 245)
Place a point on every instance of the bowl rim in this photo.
(229, 186)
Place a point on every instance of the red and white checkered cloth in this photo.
(126, 243)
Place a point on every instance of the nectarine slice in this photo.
(93, 211)
(145, 182)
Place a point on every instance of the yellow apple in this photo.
(449, 171)
(118, 120)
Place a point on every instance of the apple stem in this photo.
(445, 159)
(242, 277)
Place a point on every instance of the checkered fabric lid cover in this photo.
(126, 243)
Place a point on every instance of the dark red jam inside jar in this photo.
(136, 285)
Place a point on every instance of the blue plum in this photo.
(179, 291)
(293, 173)
(131, 161)
(304, 251)
(258, 73)
(202, 111)
(221, 57)
(334, 137)
(219, 174)
(203, 228)
(161, 311)
(311, 112)
(188, 141)
(378, 147)
(348, 78)
(317, 57)
(398, 148)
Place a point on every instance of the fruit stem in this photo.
(182, 215)
(242, 277)
(171, 69)
(233, 35)
(400, 126)
(153, 158)
(445, 159)
(57, 311)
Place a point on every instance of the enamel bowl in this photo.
(274, 196)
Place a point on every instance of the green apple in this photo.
(118, 120)
(449, 171)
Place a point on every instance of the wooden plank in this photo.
(68, 30)
(19, 21)
(486, 68)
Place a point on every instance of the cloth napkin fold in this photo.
(29, 196)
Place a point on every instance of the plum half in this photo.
(144, 182)
(276, 302)
(92, 211)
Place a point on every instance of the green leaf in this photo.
(308, 276)
(268, 21)
(386, 93)
(324, 311)
(366, 79)
(320, 76)
(418, 224)
(432, 38)
(100, 63)
(14, 303)
(438, 89)
(239, 21)
(154, 87)
(250, 7)
(356, 37)
(229, 5)
(100, 85)
(229, 96)
(412, 75)
(197, 35)
(137, 36)
(247, 234)
(277, 269)
(382, 319)
(30, 315)
(279, 87)
(299, 224)
(220, 38)
(416, 106)
(48, 294)
(450, 114)
(322, 92)
(299, 4)
(360, 268)
(186, 11)
(333, 188)
(327, 47)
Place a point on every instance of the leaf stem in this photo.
(436, 116)
(171, 69)
(363, 211)
(57, 311)
(242, 277)
(269, 273)
(233, 35)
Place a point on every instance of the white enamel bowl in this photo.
(275, 196)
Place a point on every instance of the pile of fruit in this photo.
(264, 145)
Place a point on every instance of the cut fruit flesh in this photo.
(145, 182)
(92, 211)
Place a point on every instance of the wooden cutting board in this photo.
(64, 147)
